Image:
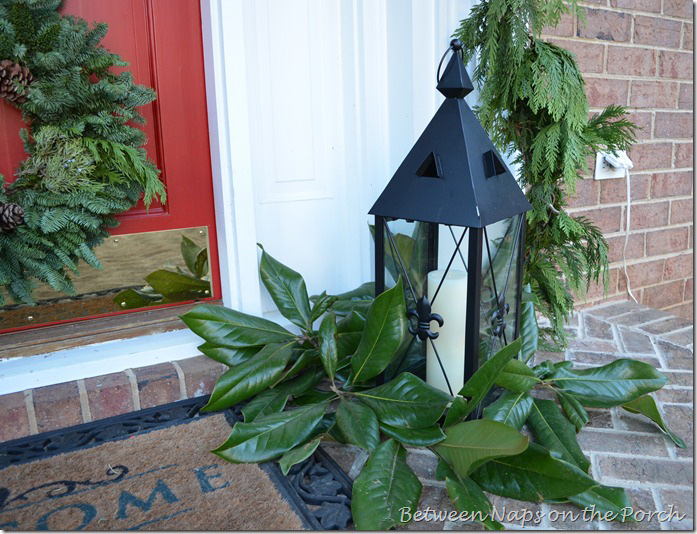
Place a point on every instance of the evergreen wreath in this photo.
(86, 160)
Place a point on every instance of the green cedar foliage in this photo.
(533, 104)
(85, 158)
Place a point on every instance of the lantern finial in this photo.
(454, 82)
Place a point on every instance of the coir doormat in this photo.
(163, 479)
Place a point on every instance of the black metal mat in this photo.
(317, 489)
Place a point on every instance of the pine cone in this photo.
(11, 216)
(10, 74)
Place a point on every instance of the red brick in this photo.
(685, 310)
(657, 31)
(681, 211)
(665, 241)
(649, 215)
(671, 184)
(652, 6)
(615, 190)
(631, 60)
(605, 25)
(675, 64)
(663, 295)
(14, 422)
(607, 219)
(57, 406)
(643, 123)
(654, 94)
(678, 8)
(683, 155)
(673, 125)
(651, 156)
(200, 375)
(586, 194)
(643, 274)
(603, 92)
(589, 56)
(598, 289)
(109, 395)
(686, 98)
(688, 36)
(689, 290)
(565, 28)
(157, 384)
(678, 267)
(635, 247)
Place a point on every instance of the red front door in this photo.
(162, 42)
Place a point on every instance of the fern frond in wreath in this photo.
(85, 162)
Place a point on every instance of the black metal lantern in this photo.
(451, 224)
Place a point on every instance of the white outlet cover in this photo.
(604, 171)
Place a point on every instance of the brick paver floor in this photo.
(625, 450)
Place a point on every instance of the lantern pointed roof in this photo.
(453, 174)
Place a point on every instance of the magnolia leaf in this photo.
(358, 424)
(267, 402)
(297, 455)
(384, 489)
(406, 402)
(469, 499)
(270, 436)
(353, 322)
(178, 286)
(467, 445)
(573, 409)
(517, 377)
(483, 379)
(614, 384)
(603, 500)
(129, 299)
(190, 252)
(415, 437)
(554, 431)
(201, 265)
(384, 329)
(249, 378)
(344, 307)
(511, 409)
(229, 328)
(646, 405)
(534, 475)
(287, 290)
(321, 305)
(226, 355)
(327, 344)
(305, 360)
(363, 292)
(457, 411)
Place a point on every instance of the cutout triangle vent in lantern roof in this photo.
(453, 174)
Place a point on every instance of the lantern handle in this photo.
(455, 46)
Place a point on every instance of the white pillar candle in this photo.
(451, 305)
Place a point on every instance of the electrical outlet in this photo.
(605, 171)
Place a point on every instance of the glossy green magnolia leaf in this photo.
(301, 383)
(534, 475)
(347, 343)
(646, 405)
(178, 286)
(384, 329)
(457, 411)
(469, 499)
(297, 455)
(406, 402)
(287, 290)
(129, 299)
(604, 499)
(554, 431)
(467, 445)
(353, 322)
(484, 378)
(529, 330)
(616, 383)
(305, 360)
(544, 369)
(190, 252)
(321, 305)
(573, 409)
(229, 328)
(201, 265)
(415, 437)
(313, 397)
(344, 307)
(363, 292)
(358, 424)
(271, 436)
(384, 488)
(517, 377)
(511, 409)
(327, 344)
(267, 402)
(226, 355)
(249, 378)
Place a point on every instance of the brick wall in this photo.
(639, 53)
